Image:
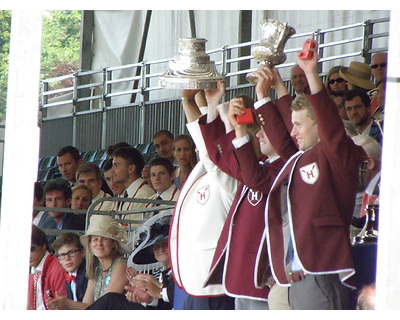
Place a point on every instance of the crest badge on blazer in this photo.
(310, 173)
(254, 197)
(203, 194)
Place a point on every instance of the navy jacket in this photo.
(81, 283)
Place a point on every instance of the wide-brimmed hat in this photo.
(106, 226)
(359, 74)
(154, 230)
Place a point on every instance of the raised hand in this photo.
(236, 106)
(264, 83)
(214, 96)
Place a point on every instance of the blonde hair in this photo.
(192, 146)
(92, 262)
(301, 103)
(83, 187)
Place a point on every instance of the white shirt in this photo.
(37, 218)
(73, 285)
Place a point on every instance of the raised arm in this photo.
(190, 106)
(310, 69)
(213, 97)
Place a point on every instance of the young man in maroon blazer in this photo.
(309, 209)
(245, 220)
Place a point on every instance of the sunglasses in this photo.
(338, 80)
(382, 65)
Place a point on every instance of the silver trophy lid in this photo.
(191, 68)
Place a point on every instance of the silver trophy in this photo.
(191, 68)
(368, 231)
(269, 51)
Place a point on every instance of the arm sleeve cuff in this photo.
(261, 102)
(238, 142)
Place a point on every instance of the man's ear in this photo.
(371, 163)
(132, 168)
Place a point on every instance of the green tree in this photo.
(60, 47)
(61, 42)
(5, 27)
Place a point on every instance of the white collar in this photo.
(134, 186)
(273, 159)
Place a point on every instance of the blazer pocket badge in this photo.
(310, 173)
(203, 194)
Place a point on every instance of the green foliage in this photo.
(61, 41)
(5, 27)
(60, 47)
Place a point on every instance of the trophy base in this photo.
(252, 78)
(192, 84)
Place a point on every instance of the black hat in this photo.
(154, 230)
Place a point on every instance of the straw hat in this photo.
(359, 74)
(106, 226)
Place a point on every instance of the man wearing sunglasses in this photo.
(379, 71)
(379, 66)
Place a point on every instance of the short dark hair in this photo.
(74, 152)
(58, 185)
(132, 156)
(67, 238)
(164, 132)
(38, 191)
(108, 165)
(163, 162)
(113, 147)
(38, 237)
(351, 94)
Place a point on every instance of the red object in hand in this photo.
(246, 117)
(305, 54)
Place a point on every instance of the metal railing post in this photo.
(44, 98)
(367, 42)
(320, 38)
(226, 68)
(144, 96)
(107, 75)
(74, 120)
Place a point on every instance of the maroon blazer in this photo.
(234, 262)
(322, 184)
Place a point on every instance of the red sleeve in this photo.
(219, 146)
(256, 176)
(335, 142)
(54, 278)
(274, 126)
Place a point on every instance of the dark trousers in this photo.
(209, 303)
(116, 301)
